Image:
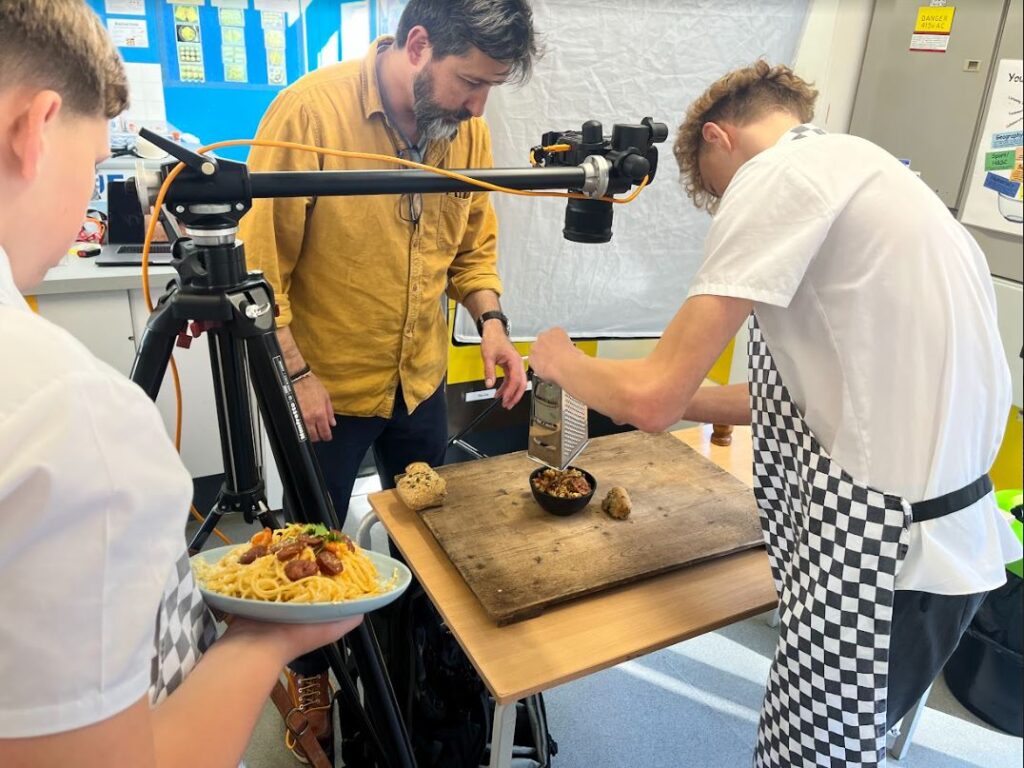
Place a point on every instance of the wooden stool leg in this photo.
(721, 434)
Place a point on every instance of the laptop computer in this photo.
(129, 255)
(126, 232)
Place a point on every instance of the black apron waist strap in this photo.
(951, 502)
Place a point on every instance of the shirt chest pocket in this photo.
(452, 222)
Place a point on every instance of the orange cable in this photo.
(551, 148)
(151, 229)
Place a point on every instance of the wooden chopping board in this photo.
(518, 559)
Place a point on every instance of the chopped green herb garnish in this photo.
(322, 532)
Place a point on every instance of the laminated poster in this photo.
(232, 36)
(189, 44)
(994, 199)
(274, 40)
(129, 33)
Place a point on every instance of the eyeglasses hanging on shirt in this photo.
(410, 204)
(410, 207)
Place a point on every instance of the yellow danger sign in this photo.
(934, 21)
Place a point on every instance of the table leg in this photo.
(502, 735)
(907, 726)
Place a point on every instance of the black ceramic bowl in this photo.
(559, 506)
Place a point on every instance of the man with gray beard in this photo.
(359, 281)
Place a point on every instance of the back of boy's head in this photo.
(61, 45)
(741, 97)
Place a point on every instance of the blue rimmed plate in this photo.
(307, 613)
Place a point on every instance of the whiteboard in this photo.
(617, 61)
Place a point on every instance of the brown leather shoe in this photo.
(312, 695)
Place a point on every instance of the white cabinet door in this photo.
(200, 438)
(100, 320)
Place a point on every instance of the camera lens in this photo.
(588, 221)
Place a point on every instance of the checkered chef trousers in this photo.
(834, 548)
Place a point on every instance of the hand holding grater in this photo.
(558, 425)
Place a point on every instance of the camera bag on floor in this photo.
(446, 706)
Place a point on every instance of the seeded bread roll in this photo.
(422, 489)
(417, 466)
(617, 504)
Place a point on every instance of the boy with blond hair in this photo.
(102, 624)
(877, 395)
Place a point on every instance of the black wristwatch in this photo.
(492, 315)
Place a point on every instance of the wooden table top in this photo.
(598, 631)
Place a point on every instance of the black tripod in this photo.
(214, 292)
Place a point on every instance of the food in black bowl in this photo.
(562, 492)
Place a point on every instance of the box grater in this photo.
(558, 425)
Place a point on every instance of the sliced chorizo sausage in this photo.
(300, 569)
(247, 557)
(330, 564)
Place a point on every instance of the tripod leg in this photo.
(243, 489)
(267, 519)
(150, 367)
(300, 474)
(304, 485)
(157, 343)
(204, 532)
(351, 710)
(379, 691)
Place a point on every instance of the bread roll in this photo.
(617, 504)
(423, 488)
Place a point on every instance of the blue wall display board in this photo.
(224, 61)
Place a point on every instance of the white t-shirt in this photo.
(879, 310)
(93, 502)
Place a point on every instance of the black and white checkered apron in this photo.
(834, 547)
(184, 630)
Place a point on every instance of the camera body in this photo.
(613, 165)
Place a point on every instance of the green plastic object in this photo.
(1008, 500)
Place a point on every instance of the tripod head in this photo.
(210, 195)
(613, 164)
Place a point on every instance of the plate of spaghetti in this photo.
(299, 574)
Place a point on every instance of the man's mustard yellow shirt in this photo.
(361, 288)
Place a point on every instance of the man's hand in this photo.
(549, 354)
(497, 350)
(315, 404)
